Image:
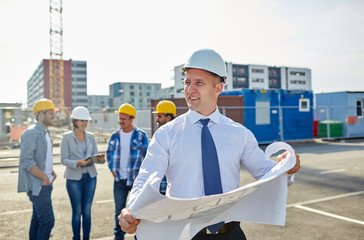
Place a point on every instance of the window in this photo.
(274, 83)
(257, 70)
(304, 105)
(262, 112)
(273, 72)
(79, 65)
(240, 82)
(300, 82)
(359, 107)
(240, 70)
(295, 73)
(260, 80)
(79, 72)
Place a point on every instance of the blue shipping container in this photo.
(297, 117)
(260, 113)
(262, 110)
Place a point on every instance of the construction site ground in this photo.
(325, 202)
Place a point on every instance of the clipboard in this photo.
(93, 160)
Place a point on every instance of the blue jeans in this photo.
(120, 194)
(43, 218)
(81, 193)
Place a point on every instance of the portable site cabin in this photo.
(344, 109)
(277, 114)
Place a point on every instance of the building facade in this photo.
(137, 94)
(74, 85)
(97, 102)
(252, 76)
(167, 92)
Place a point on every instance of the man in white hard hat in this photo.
(184, 146)
(125, 152)
(36, 173)
(165, 112)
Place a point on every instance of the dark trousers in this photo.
(235, 234)
(42, 219)
(120, 194)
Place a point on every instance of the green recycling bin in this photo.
(336, 128)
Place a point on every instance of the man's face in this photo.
(125, 122)
(161, 119)
(201, 91)
(47, 118)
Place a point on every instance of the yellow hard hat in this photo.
(127, 109)
(165, 106)
(42, 105)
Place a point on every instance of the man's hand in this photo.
(46, 181)
(54, 175)
(296, 167)
(127, 223)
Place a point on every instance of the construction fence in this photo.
(268, 124)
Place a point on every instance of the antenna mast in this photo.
(56, 72)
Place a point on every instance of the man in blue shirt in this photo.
(36, 173)
(125, 153)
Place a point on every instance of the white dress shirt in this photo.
(175, 150)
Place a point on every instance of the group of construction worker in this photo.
(195, 154)
(36, 173)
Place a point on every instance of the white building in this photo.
(256, 77)
(137, 94)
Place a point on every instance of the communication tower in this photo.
(56, 66)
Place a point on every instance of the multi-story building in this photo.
(97, 102)
(74, 85)
(251, 76)
(137, 94)
(166, 93)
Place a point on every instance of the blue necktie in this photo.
(210, 167)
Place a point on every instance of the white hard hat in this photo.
(209, 60)
(80, 113)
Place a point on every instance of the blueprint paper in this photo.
(262, 201)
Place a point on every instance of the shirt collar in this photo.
(195, 116)
(40, 127)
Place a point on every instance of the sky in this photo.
(142, 41)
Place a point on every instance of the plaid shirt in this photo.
(138, 150)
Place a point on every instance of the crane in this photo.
(56, 64)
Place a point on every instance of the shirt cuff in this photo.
(290, 179)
